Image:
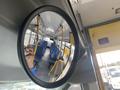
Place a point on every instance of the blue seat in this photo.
(41, 48)
(54, 52)
(34, 71)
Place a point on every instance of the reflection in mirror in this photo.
(48, 47)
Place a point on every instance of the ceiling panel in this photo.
(96, 11)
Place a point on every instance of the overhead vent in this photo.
(103, 41)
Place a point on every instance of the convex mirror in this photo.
(47, 46)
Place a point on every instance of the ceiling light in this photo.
(86, 1)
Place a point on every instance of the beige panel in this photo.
(97, 11)
(111, 31)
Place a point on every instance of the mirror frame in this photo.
(20, 45)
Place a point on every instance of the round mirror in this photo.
(47, 46)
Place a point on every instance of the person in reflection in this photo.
(29, 53)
